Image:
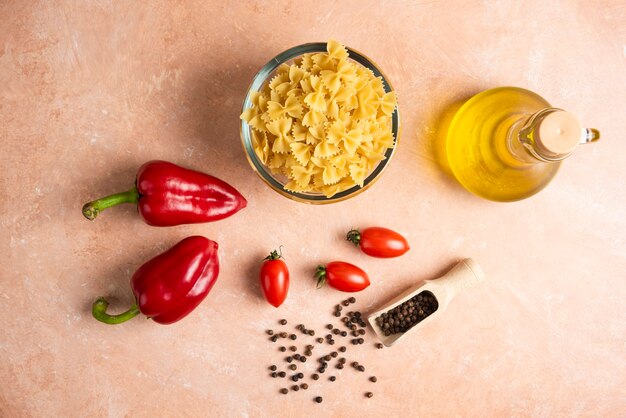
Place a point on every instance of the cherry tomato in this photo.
(342, 276)
(379, 242)
(274, 277)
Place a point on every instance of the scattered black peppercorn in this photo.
(282, 374)
(342, 349)
(304, 386)
(331, 342)
(361, 368)
(273, 374)
(336, 331)
(373, 379)
(273, 368)
(329, 326)
(332, 378)
(344, 333)
(283, 322)
(300, 375)
(318, 399)
(339, 366)
(293, 348)
(369, 394)
(283, 349)
(345, 303)
(337, 314)
(319, 340)
(352, 299)
(293, 336)
(295, 388)
(288, 359)
(284, 391)
(292, 367)
(311, 332)
(283, 334)
(379, 346)
(360, 340)
(270, 332)
(315, 376)
(274, 339)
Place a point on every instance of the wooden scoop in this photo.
(464, 274)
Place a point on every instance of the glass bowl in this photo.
(277, 182)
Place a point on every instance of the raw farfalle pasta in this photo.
(324, 122)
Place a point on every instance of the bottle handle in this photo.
(589, 135)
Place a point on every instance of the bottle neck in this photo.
(547, 136)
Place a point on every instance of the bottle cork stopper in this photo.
(558, 133)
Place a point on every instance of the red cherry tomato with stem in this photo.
(342, 276)
(274, 277)
(379, 242)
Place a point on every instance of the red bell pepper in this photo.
(168, 195)
(171, 285)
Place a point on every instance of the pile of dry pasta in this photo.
(324, 122)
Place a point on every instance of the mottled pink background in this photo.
(89, 90)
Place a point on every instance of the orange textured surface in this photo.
(91, 90)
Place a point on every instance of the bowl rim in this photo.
(259, 168)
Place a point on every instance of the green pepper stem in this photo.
(98, 310)
(92, 209)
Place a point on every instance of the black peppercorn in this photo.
(282, 374)
(295, 388)
(315, 376)
(273, 367)
(304, 386)
(293, 336)
(319, 340)
(292, 367)
(283, 322)
(311, 332)
(337, 314)
(283, 334)
(360, 368)
(342, 349)
(288, 359)
(369, 394)
(270, 332)
(300, 375)
(273, 374)
(343, 333)
(345, 303)
(373, 379)
(293, 348)
(379, 346)
(283, 349)
(329, 326)
(352, 299)
(274, 339)
(318, 399)
(332, 378)
(339, 366)
(284, 391)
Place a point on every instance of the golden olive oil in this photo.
(479, 146)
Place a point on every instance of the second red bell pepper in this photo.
(171, 285)
(168, 195)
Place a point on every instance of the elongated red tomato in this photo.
(342, 276)
(379, 242)
(274, 277)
